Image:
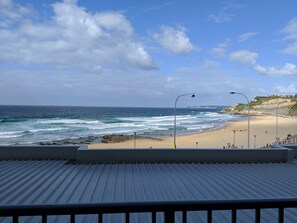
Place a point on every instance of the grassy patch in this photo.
(260, 100)
(240, 107)
(293, 108)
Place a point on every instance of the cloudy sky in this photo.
(145, 53)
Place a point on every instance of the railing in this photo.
(285, 141)
(168, 208)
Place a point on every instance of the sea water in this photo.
(35, 124)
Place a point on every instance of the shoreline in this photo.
(263, 130)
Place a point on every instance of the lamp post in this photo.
(134, 140)
(232, 92)
(174, 134)
(234, 131)
(255, 136)
(276, 131)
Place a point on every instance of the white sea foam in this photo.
(202, 127)
(200, 121)
(115, 126)
(9, 136)
(69, 121)
(155, 118)
(159, 128)
(46, 130)
(114, 131)
(10, 133)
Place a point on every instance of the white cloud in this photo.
(291, 89)
(291, 49)
(74, 39)
(291, 29)
(228, 5)
(56, 60)
(11, 12)
(220, 17)
(221, 49)
(260, 90)
(68, 85)
(158, 7)
(210, 64)
(174, 39)
(291, 35)
(287, 70)
(225, 12)
(244, 37)
(217, 90)
(244, 57)
(250, 58)
(218, 51)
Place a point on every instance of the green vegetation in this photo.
(240, 107)
(271, 99)
(293, 108)
(259, 100)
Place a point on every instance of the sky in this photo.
(146, 53)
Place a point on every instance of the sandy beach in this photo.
(263, 131)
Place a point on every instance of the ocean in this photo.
(21, 125)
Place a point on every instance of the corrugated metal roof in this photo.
(56, 182)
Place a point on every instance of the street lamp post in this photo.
(255, 145)
(276, 131)
(174, 134)
(234, 138)
(248, 114)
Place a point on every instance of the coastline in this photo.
(264, 127)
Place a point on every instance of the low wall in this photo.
(84, 155)
(183, 155)
(37, 152)
(288, 146)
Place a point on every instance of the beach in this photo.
(263, 132)
(196, 127)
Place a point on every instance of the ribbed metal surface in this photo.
(55, 182)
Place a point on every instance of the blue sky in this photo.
(145, 53)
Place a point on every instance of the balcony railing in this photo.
(168, 208)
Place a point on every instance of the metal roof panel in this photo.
(57, 182)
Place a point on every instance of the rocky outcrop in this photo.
(115, 138)
(122, 138)
(76, 141)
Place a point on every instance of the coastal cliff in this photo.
(261, 105)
